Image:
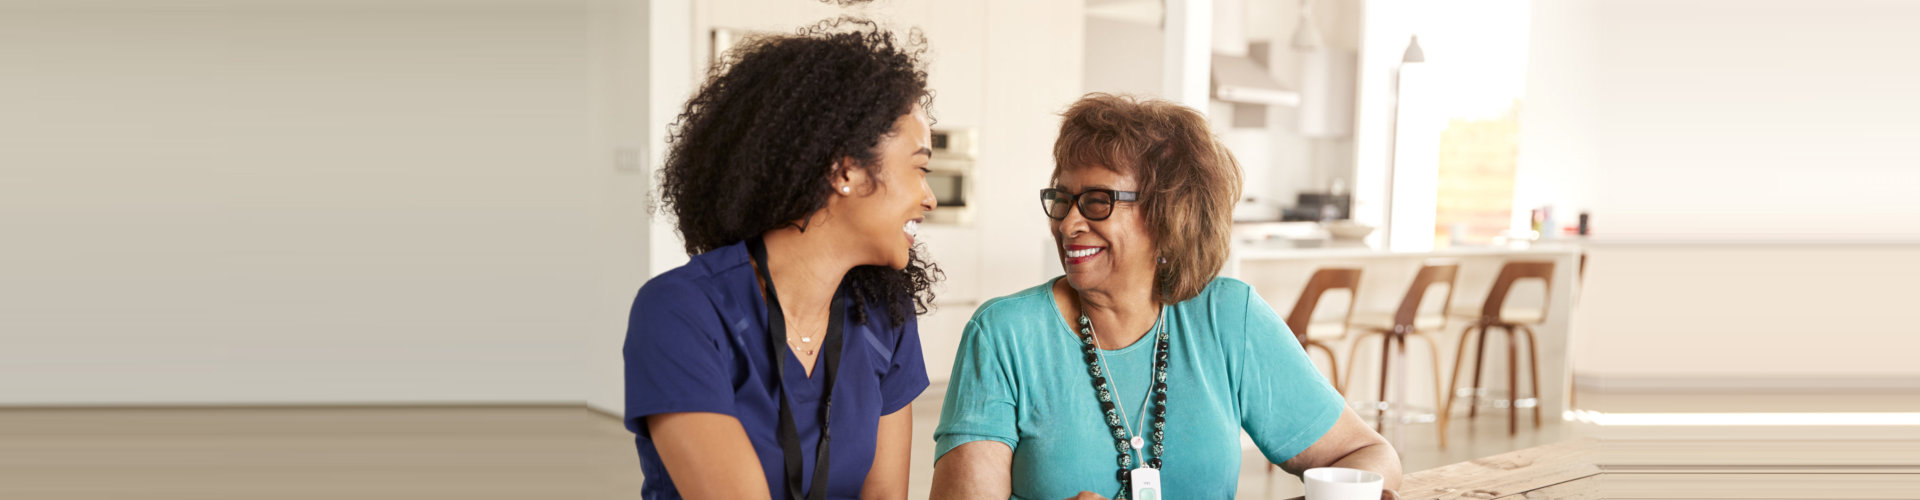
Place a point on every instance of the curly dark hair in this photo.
(754, 148)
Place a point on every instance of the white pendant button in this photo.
(806, 339)
(1146, 483)
(1137, 442)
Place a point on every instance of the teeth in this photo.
(913, 228)
(1082, 253)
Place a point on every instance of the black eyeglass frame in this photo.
(1074, 201)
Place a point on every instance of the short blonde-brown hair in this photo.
(1189, 182)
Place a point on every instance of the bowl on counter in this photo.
(1347, 230)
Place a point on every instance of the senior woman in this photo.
(1138, 365)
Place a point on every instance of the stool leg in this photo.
(1533, 362)
(1333, 367)
(1353, 354)
(1440, 417)
(1333, 364)
(1513, 383)
(1459, 354)
(1386, 358)
(1479, 355)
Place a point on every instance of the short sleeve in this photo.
(906, 375)
(674, 353)
(979, 403)
(1285, 405)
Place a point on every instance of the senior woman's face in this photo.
(1103, 255)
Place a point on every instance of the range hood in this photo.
(1238, 79)
(1143, 12)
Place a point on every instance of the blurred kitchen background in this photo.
(245, 244)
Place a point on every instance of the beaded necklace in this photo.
(1126, 442)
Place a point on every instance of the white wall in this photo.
(1559, 151)
(1748, 317)
(301, 201)
(1750, 167)
(1122, 56)
(1387, 26)
(235, 202)
(636, 76)
(1725, 120)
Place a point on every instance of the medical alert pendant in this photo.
(1146, 483)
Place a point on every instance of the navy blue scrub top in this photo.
(697, 341)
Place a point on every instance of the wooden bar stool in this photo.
(1407, 323)
(1491, 318)
(1311, 334)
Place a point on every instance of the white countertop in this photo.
(1275, 252)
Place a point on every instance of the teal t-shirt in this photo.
(1020, 378)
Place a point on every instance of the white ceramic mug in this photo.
(1340, 483)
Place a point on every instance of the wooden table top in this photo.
(1787, 467)
(1505, 474)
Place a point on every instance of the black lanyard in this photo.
(830, 348)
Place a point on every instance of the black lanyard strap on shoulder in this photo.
(789, 432)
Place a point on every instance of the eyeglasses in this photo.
(1095, 204)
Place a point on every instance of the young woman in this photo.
(780, 362)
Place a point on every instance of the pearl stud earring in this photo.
(846, 189)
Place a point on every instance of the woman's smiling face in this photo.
(887, 209)
(1109, 255)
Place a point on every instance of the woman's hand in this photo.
(1087, 495)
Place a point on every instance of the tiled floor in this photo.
(315, 453)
